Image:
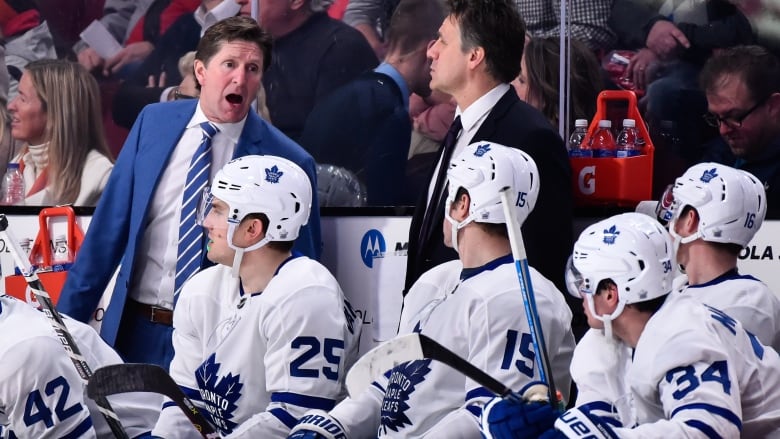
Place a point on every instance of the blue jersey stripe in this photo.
(375, 384)
(80, 429)
(312, 402)
(479, 392)
(715, 410)
(476, 411)
(282, 415)
(704, 428)
(192, 394)
(167, 404)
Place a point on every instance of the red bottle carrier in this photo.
(614, 181)
(51, 274)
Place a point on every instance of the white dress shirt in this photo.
(155, 265)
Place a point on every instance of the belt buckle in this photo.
(153, 310)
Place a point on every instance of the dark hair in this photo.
(734, 249)
(414, 22)
(651, 305)
(542, 63)
(491, 229)
(758, 68)
(496, 26)
(237, 28)
(280, 246)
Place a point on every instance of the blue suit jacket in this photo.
(119, 222)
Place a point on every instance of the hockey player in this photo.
(42, 394)
(715, 212)
(266, 334)
(654, 364)
(472, 306)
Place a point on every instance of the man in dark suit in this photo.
(138, 221)
(364, 126)
(475, 57)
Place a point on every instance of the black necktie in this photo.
(436, 200)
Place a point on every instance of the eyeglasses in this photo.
(733, 122)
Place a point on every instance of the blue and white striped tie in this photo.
(190, 233)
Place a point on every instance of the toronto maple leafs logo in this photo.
(610, 235)
(219, 394)
(482, 149)
(273, 175)
(708, 175)
(403, 380)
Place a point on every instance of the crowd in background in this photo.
(322, 46)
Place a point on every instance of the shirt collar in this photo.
(477, 111)
(231, 130)
(393, 73)
(206, 19)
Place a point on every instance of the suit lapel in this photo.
(251, 136)
(497, 113)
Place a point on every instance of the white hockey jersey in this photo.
(258, 361)
(695, 372)
(478, 314)
(36, 373)
(745, 298)
(41, 394)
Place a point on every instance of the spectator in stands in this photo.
(313, 55)
(119, 18)
(7, 144)
(672, 44)
(742, 85)
(542, 17)
(158, 78)
(588, 21)
(364, 126)
(538, 82)
(26, 38)
(139, 221)
(57, 114)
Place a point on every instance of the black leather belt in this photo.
(154, 314)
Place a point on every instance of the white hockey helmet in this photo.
(633, 250)
(731, 203)
(484, 169)
(273, 186)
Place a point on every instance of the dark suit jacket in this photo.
(133, 95)
(119, 222)
(364, 126)
(548, 230)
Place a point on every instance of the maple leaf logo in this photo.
(219, 394)
(610, 235)
(402, 382)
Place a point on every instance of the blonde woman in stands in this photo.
(57, 115)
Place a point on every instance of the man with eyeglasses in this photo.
(742, 85)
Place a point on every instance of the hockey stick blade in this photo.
(413, 347)
(55, 319)
(133, 377)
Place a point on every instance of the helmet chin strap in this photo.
(455, 227)
(678, 240)
(606, 319)
(239, 256)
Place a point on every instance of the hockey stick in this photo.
(133, 377)
(411, 347)
(527, 290)
(59, 326)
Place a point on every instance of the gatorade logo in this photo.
(587, 180)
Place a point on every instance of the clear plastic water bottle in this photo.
(13, 186)
(627, 140)
(577, 147)
(603, 143)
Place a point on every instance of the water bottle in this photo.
(13, 186)
(577, 147)
(627, 140)
(603, 143)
